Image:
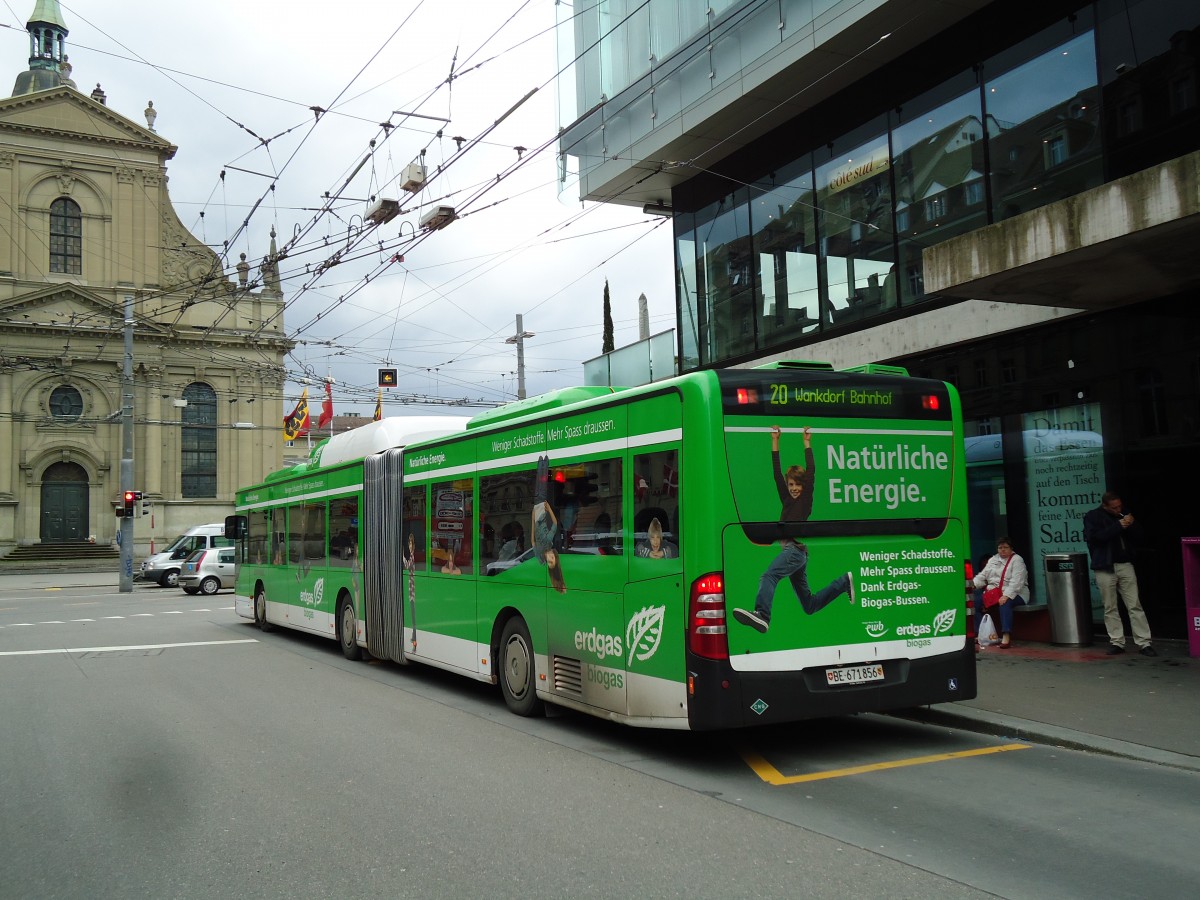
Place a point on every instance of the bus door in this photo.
(445, 623)
(655, 597)
(585, 569)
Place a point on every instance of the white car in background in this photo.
(207, 571)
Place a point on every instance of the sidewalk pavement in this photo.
(1138, 707)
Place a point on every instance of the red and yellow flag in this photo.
(379, 406)
(296, 425)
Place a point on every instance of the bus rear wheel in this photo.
(517, 669)
(348, 630)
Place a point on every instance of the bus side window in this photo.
(453, 526)
(656, 505)
(314, 535)
(295, 548)
(505, 505)
(258, 537)
(412, 536)
(591, 507)
(343, 531)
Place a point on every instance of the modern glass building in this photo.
(1004, 198)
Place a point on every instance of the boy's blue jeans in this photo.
(792, 563)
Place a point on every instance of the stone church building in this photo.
(87, 230)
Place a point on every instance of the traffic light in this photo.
(585, 489)
(387, 378)
(130, 503)
(144, 503)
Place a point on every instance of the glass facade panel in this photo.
(783, 222)
(673, 23)
(687, 292)
(1149, 72)
(1044, 128)
(747, 35)
(854, 219)
(624, 43)
(728, 311)
(938, 166)
(797, 18)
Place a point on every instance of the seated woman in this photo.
(654, 547)
(1007, 572)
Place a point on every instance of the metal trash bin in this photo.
(1068, 584)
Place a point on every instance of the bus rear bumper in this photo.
(723, 698)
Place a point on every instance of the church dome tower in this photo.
(48, 66)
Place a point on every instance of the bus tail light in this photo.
(969, 570)
(707, 628)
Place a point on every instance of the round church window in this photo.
(66, 402)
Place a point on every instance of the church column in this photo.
(7, 427)
(9, 191)
(155, 434)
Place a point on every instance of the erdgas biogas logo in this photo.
(942, 623)
(643, 634)
(313, 597)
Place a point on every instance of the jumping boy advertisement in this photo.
(846, 539)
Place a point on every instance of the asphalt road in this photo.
(154, 744)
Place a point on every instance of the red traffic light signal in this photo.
(130, 500)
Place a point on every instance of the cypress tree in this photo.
(608, 346)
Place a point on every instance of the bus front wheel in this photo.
(517, 669)
(348, 630)
(260, 610)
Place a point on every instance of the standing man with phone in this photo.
(1110, 531)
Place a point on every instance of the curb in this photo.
(984, 722)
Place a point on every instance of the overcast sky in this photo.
(234, 83)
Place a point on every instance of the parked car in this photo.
(207, 571)
(164, 567)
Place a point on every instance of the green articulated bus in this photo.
(723, 549)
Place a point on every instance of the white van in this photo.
(164, 567)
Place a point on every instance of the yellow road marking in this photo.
(771, 775)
